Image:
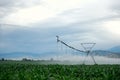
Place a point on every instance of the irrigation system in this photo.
(87, 51)
(87, 48)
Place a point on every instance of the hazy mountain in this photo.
(116, 52)
(113, 53)
(20, 55)
(115, 49)
(107, 53)
(101, 52)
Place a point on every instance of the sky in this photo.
(32, 25)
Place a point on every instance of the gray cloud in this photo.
(87, 30)
(7, 3)
(8, 6)
(115, 6)
(42, 37)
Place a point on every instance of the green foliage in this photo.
(18, 71)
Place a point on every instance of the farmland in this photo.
(13, 70)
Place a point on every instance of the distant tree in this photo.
(51, 59)
(25, 59)
(2, 59)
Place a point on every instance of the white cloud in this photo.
(29, 15)
(40, 12)
(8, 7)
(49, 9)
(113, 26)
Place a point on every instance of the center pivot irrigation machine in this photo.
(87, 49)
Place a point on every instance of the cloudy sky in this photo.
(31, 25)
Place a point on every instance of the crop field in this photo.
(30, 71)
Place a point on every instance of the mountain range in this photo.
(112, 53)
(115, 49)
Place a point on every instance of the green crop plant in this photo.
(29, 71)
